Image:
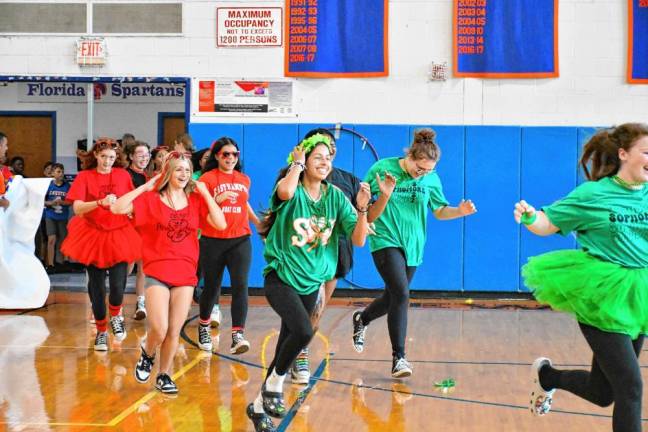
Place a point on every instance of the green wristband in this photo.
(528, 219)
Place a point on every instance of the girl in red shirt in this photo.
(167, 211)
(229, 248)
(100, 240)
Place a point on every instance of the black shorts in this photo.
(345, 258)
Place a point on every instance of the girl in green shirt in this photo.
(605, 283)
(400, 217)
(307, 215)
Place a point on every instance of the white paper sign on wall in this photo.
(249, 26)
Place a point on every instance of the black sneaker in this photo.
(204, 338)
(101, 341)
(359, 331)
(165, 384)
(262, 421)
(118, 329)
(143, 367)
(401, 368)
(239, 344)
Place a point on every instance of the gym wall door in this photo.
(30, 136)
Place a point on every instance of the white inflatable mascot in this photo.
(23, 281)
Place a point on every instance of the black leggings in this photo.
(615, 377)
(97, 287)
(296, 329)
(215, 255)
(392, 266)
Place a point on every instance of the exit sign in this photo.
(91, 51)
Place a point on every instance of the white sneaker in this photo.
(300, 370)
(101, 341)
(118, 329)
(140, 309)
(541, 399)
(215, 316)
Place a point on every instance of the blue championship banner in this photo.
(638, 41)
(505, 38)
(336, 38)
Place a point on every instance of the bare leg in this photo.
(179, 305)
(157, 297)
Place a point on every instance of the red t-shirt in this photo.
(234, 209)
(90, 185)
(169, 237)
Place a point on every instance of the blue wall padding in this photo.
(491, 237)
(442, 268)
(548, 158)
(494, 166)
(584, 134)
(204, 134)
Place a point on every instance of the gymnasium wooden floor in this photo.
(51, 379)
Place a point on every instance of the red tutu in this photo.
(90, 245)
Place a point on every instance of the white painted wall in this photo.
(110, 119)
(590, 91)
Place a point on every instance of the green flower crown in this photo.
(309, 144)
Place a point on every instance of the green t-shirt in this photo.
(403, 223)
(302, 245)
(610, 221)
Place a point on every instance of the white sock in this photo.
(258, 404)
(141, 298)
(274, 383)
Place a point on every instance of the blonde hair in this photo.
(170, 164)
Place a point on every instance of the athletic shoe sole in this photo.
(402, 374)
(241, 348)
(139, 315)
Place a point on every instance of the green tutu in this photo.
(602, 294)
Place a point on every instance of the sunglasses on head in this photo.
(105, 143)
(228, 154)
(177, 155)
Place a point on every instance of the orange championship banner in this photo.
(336, 38)
(505, 38)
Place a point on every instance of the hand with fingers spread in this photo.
(386, 186)
(363, 197)
(467, 207)
(523, 211)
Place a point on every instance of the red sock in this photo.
(102, 325)
(114, 310)
(235, 329)
(204, 322)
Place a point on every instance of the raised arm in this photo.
(386, 188)
(536, 221)
(465, 208)
(124, 205)
(361, 229)
(286, 186)
(216, 218)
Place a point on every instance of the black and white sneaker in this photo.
(117, 327)
(541, 399)
(401, 368)
(239, 344)
(101, 341)
(143, 367)
(165, 384)
(204, 338)
(359, 331)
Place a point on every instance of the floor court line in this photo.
(419, 394)
(302, 396)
